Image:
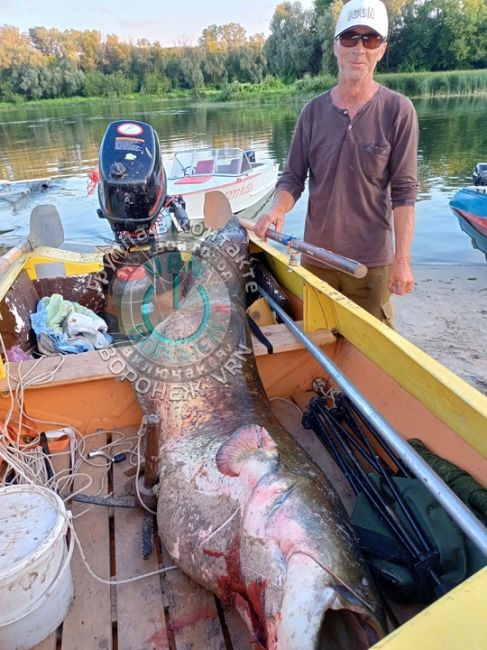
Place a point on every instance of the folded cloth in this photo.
(66, 327)
(84, 325)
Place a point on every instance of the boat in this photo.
(85, 393)
(74, 422)
(244, 181)
(469, 205)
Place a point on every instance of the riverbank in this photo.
(415, 85)
(446, 316)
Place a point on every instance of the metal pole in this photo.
(457, 510)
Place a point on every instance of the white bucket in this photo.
(36, 585)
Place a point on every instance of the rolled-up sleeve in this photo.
(403, 162)
(297, 163)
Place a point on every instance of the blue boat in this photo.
(470, 206)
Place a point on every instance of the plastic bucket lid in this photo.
(32, 518)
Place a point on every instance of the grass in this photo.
(411, 84)
(437, 84)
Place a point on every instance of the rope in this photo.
(26, 463)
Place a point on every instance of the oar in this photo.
(319, 255)
(46, 229)
(218, 212)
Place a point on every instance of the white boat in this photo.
(233, 171)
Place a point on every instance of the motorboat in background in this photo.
(236, 173)
(470, 206)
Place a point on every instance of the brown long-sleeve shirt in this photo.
(359, 170)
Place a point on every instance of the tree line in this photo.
(425, 35)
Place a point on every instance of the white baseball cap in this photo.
(366, 13)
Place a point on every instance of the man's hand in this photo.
(273, 217)
(401, 278)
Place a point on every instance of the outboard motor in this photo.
(250, 155)
(132, 182)
(132, 191)
(479, 175)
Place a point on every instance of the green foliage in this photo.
(431, 84)
(155, 83)
(416, 84)
(56, 79)
(314, 85)
(326, 21)
(118, 84)
(293, 47)
(93, 84)
(444, 36)
(8, 95)
(439, 35)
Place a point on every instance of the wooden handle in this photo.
(319, 255)
(13, 254)
(152, 424)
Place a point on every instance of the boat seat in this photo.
(90, 366)
(235, 166)
(204, 167)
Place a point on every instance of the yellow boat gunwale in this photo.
(452, 400)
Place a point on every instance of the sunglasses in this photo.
(371, 41)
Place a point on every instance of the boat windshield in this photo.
(204, 162)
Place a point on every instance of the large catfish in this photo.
(242, 508)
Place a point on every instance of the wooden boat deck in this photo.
(167, 611)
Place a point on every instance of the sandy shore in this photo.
(446, 316)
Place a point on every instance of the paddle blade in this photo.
(46, 228)
(217, 210)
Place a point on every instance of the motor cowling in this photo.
(479, 175)
(132, 182)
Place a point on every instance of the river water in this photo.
(61, 142)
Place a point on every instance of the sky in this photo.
(171, 22)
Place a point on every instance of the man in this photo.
(358, 142)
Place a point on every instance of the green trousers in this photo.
(370, 292)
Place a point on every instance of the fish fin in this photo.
(244, 443)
